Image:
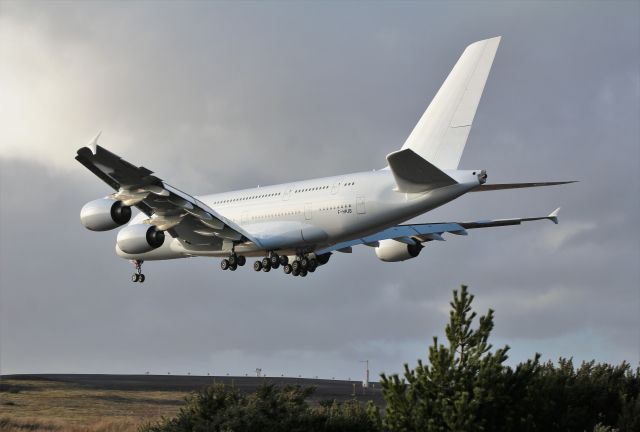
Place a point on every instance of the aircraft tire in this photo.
(225, 264)
(257, 266)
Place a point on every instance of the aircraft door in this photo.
(335, 187)
(288, 192)
(360, 207)
(308, 211)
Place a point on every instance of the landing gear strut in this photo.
(137, 276)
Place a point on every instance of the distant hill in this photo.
(325, 389)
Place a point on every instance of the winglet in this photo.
(553, 216)
(94, 143)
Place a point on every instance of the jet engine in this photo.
(139, 238)
(393, 250)
(104, 214)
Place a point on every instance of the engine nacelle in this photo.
(393, 250)
(139, 238)
(104, 214)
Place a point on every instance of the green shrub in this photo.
(270, 408)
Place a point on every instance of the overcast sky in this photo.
(220, 96)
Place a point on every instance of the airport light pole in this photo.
(365, 382)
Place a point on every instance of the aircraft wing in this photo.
(186, 218)
(420, 233)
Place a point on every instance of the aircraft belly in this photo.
(285, 234)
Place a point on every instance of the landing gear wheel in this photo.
(311, 270)
(266, 269)
(296, 272)
(275, 261)
(242, 260)
(284, 260)
(137, 276)
(313, 264)
(257, 266)
(303, 273)
(304, 262)
(296, 266)
(224, 264)
(233, 260)
(287, 269)
(266, 262)
(233, 267)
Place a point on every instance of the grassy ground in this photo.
(42, 405)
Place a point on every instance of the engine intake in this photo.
(394, 251)
(104, 214)
(139, 238)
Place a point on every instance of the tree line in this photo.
(464, 386)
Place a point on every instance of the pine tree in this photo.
(464, 386)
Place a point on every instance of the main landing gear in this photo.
(301, 265)
(233, 262)
(272, 261)
(137, 276)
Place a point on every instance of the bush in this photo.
(270, 408)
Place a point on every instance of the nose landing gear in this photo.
(137, 276)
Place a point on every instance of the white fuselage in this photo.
(308, 215)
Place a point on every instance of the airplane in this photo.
(299, 225)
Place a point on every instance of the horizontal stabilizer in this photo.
(414, 174)
(502, 186)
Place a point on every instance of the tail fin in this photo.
(441, 133)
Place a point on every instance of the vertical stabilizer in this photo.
(441, 133)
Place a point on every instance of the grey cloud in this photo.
(220, 96)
